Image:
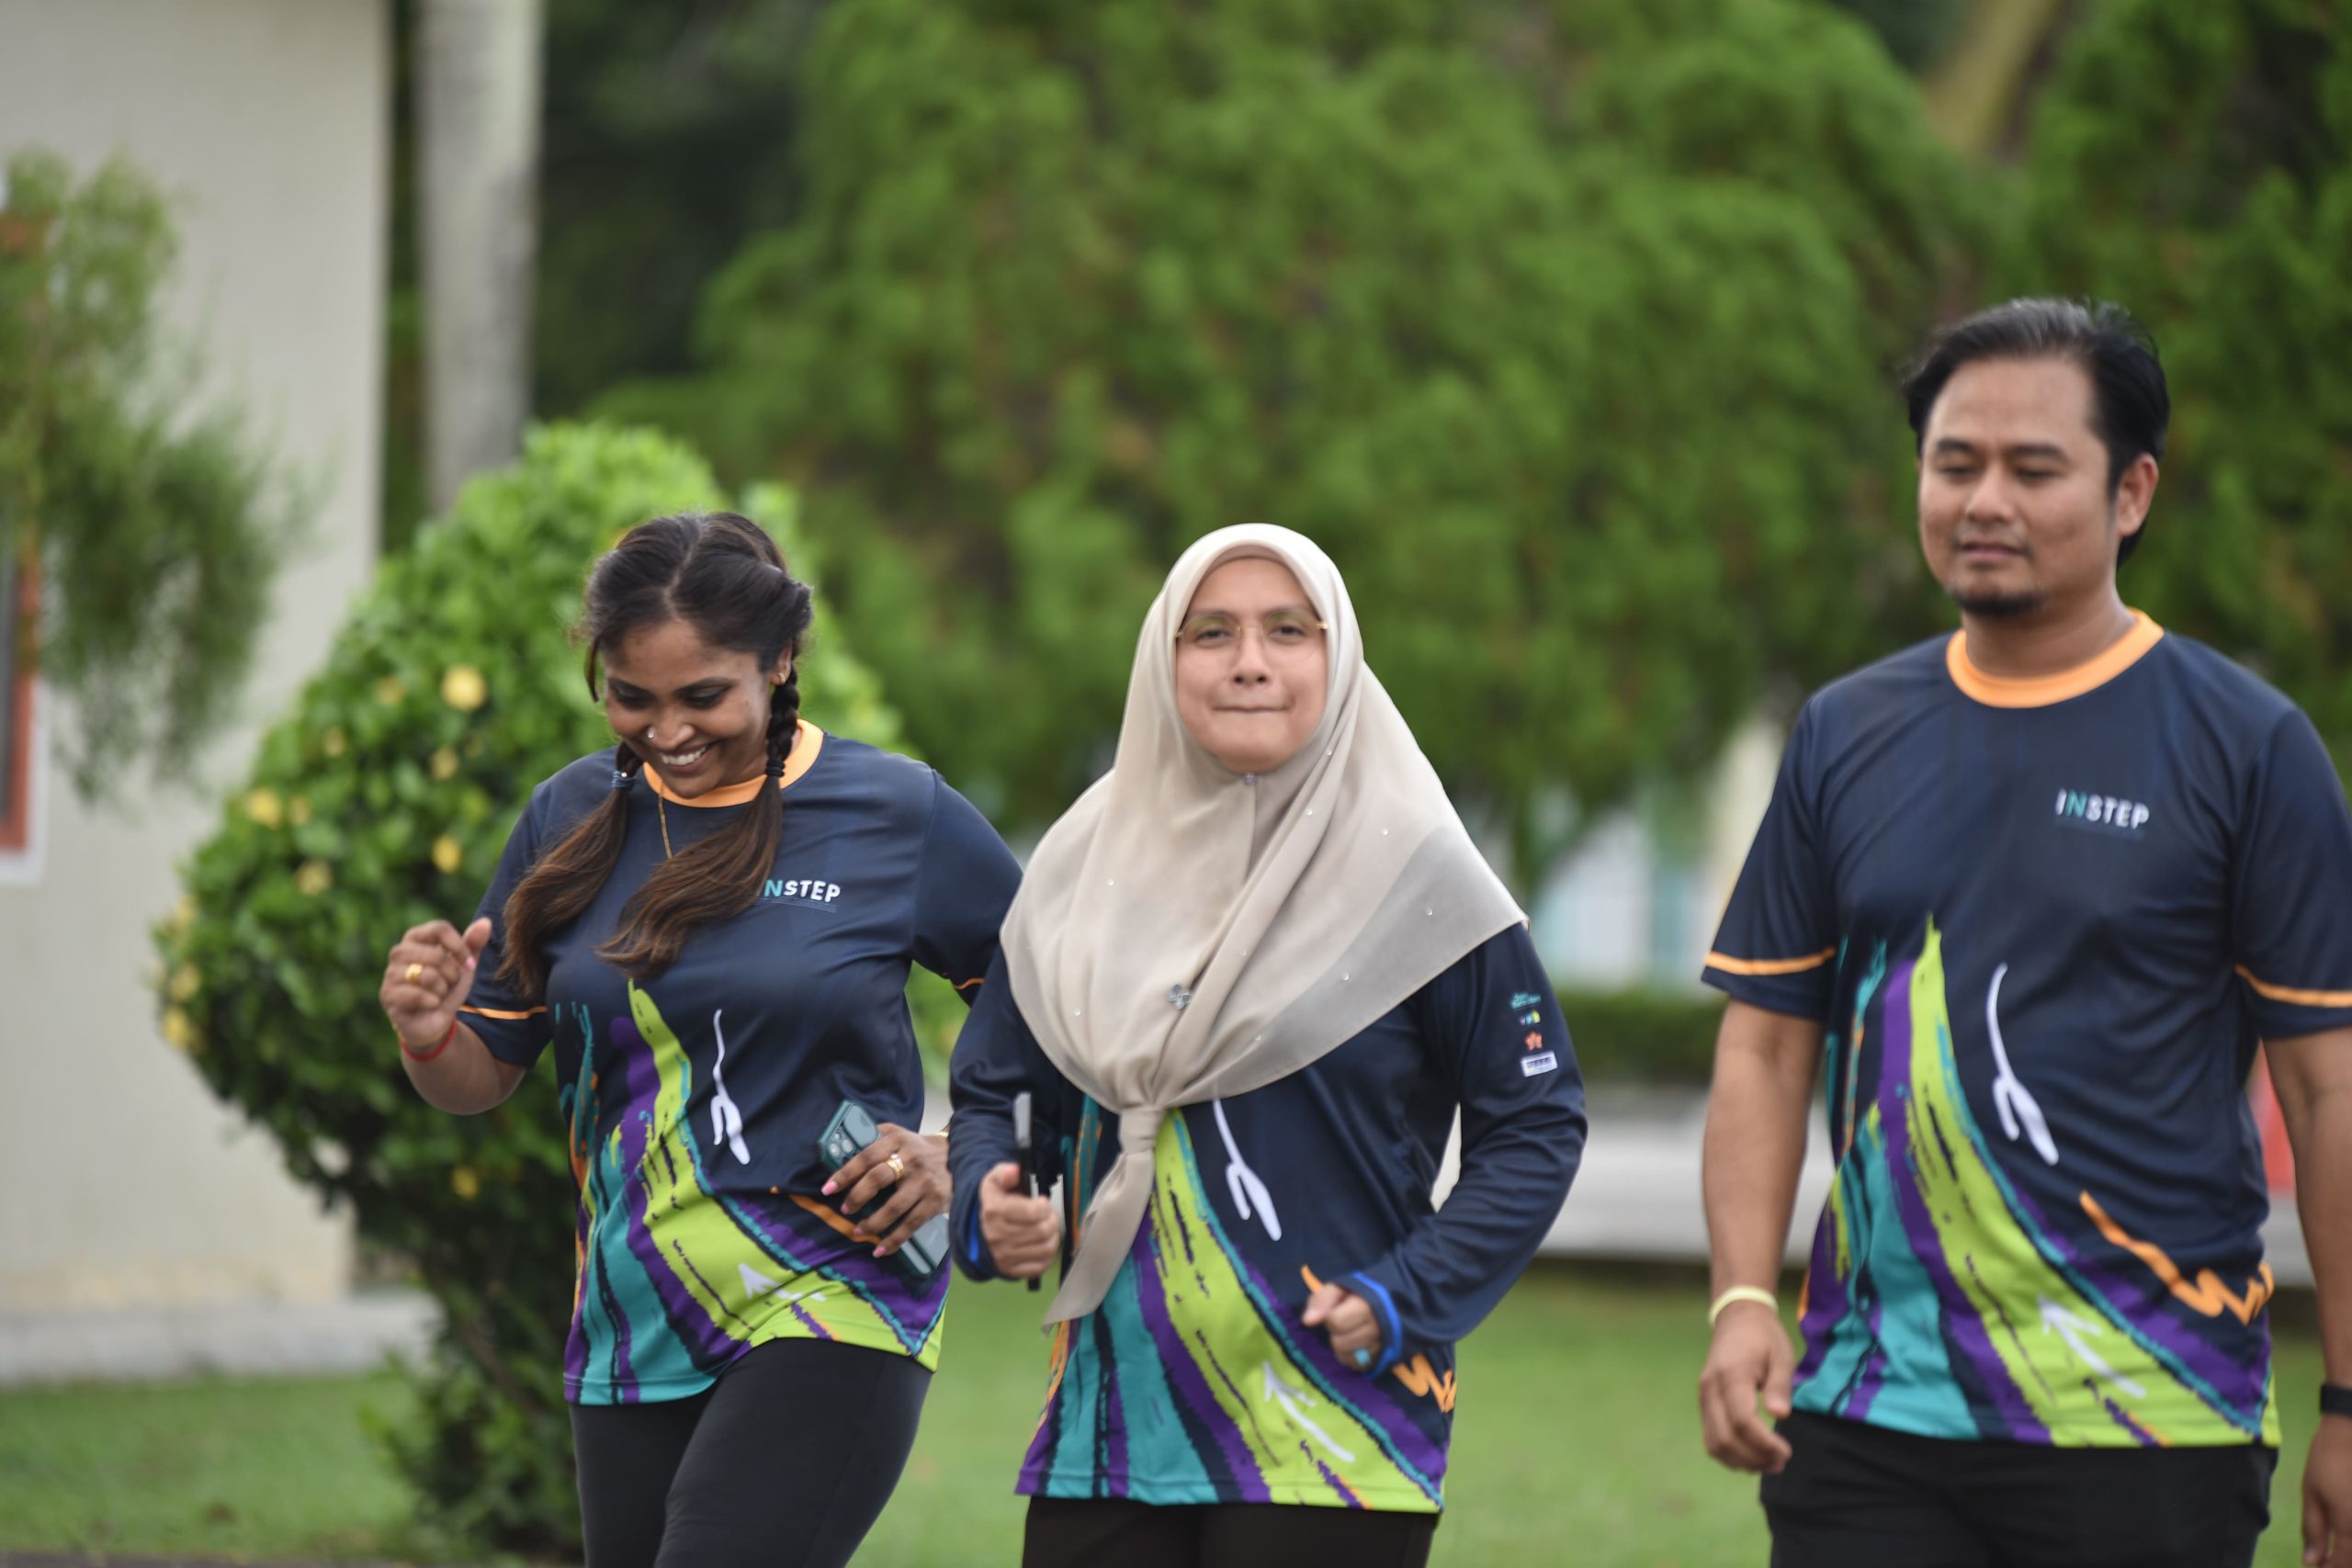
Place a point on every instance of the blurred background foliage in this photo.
(1457, 290)
(383, 800)
(1570, 327)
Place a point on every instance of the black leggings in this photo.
(786, 1464)
(1112, 1532)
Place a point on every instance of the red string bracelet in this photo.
(428, 1055)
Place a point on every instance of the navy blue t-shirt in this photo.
(2046, 924)
(695, 1099)
(1195, 1381)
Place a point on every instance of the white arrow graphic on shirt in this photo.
(726, 1120)
(1242, 1181)
(756, 1284)
(2057, 1320)
(1290, 1399)
(2009, 1096)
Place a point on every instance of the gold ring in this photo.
(897, 1167)
(412, 971)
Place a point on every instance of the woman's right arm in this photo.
(428, 976)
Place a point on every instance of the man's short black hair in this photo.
(2129, 407)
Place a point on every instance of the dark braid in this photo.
(721, 574)
(784, 721)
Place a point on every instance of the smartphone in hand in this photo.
(853, 1129)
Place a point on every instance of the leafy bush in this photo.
(383, 800)
(1646, 1037)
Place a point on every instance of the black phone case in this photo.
(851, 1129)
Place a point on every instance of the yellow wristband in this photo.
(1755, 1293)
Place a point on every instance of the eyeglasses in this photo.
(1279, 632)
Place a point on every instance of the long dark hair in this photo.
(722, 575)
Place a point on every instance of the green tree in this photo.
(2194, 162)
(152, 532)
(1581, 378)
(382, 800)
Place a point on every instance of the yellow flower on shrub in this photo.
(445, 763)
(389, 691)
(448, 855)
(465, 1183)
(179, 1031)
(297, 811)
(315, 877)
(334, 741)
(463, 688)
(183, 983)
(264, 807)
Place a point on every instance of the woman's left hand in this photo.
(1349, 1322)
(917, 1186)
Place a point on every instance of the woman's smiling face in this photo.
(1252, 665)
(698, 713)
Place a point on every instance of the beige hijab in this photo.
(1186, 932)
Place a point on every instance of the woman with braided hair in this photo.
(711, 924)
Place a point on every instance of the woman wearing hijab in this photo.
(1253, 973)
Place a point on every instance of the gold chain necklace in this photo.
(661, 814)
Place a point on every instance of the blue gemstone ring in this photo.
(1363, 1358)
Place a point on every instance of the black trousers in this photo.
(1111, 1532)
(1853, 1495)
(786, 1464)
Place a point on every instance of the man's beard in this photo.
(1994, 606)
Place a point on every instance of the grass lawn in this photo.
(1575, 1442)
(219, 1467)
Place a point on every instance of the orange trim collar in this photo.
(805, 747)
(2041, 690)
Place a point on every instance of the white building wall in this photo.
(268, 123)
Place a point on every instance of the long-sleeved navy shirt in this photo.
(1195, 1380)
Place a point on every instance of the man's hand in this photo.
(1349, 1323)
(2327, 1493)
(1750, 1358)
(1024, 1234)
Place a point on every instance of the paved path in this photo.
(350, 1335)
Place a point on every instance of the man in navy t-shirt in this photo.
(2026, 902)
